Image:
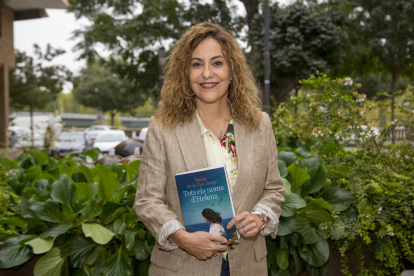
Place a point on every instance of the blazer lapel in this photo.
(244, 148)
(191, 145)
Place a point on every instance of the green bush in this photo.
(80, 221)
(378, 174)
(312, 205)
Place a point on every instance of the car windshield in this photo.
(113, 137)
(70, 137)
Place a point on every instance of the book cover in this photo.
(206, 202)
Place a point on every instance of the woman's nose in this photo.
(207, 73)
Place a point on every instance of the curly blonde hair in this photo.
(177, 98)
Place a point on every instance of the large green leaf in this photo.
(285, 226)
(67, 167)
(56, 230)
(282, 168)
(79, 177)
(13, 253)
(133, 169)
(50, 264)
(142, 250)
(88, 173)
(129, 239)
(78, 250)
(63, 191)
(118, 264)
(321, 202)
(316, 254)
(84, 194)
(293, 202)
(282, 258)
(108, 183)
(317, 179)
(302, 152)
(301, 225)
(339, 198)
(49, 211)
(287, 186)
(287, 157)
(92, 258)
(16, 221)
(299, 176)
(317, 214)
(98, 233)
(40, 245)
(110, 210)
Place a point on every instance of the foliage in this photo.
(380, 176)
(33, 83)
(97, 87)
(135, 30)
(303, 39)
(312, 206)
(387, 27)
(78, 220)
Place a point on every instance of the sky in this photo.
(57, 30)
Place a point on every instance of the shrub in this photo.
(80, 221)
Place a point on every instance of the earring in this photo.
(231, 81)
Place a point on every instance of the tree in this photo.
(388, 27)
(34, 84)
(304, 39)
(134, 30)
(97, 87)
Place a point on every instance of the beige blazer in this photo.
(171, 151)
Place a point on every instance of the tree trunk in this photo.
(31, 125)
(296, 95)
(394, 80)
(113, 113)
(252, 8)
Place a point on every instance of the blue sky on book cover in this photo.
(205, 189)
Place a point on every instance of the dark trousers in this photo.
(225, 268)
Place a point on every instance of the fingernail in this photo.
(224, 240)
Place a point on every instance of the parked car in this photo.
(70, 143)
(107, 140)
(93, 131)
(21, 137)
(143, 134)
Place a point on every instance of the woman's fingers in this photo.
(216, 238)
(237, 219)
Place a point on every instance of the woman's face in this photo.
(205, 219)
(209, 73)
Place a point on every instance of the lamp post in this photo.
(266, 58)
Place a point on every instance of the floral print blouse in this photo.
(221, 152)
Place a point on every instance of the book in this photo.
(206, 202)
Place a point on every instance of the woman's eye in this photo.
(196, 64)
(218, 63)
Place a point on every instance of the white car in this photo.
(21, 137)
(143, 134)
(93, 131)
(107, 140)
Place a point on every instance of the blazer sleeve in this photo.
(272, 198)
(150, 200)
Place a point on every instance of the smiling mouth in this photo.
(208, 85)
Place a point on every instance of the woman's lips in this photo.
(208, 85)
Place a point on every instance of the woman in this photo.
(209, 115)
(215, 220)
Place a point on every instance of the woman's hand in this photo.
(200, 244)
(248, 225)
